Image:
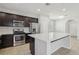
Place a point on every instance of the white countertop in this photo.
(49, 36)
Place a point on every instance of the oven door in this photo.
(19, 39)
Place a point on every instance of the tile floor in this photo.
(19, 50)
(73, 51)
(24, 49)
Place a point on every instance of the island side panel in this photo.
(66, 42)
(40, 47)
(55, 45)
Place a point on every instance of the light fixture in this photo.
(61, 17)
(64, 9)
(38, 9)
(47, 4)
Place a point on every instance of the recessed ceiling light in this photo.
(47, 4)
(62, 16)
(64, 9)
(38, 9)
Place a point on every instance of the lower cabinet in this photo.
(32, 45)
(27, 40)
(0, 42)
(6, 41)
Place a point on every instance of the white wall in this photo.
(67, 27)
(48, 25)
(52, 24)
(44, 21)
(77, 30)
(61, 26)
(73, 28)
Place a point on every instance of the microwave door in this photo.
(18, 23)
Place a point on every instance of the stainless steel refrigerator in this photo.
(34, 28)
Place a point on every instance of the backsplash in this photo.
(10, 29)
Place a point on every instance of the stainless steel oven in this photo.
(19, 39)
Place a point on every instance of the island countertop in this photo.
(49, 36)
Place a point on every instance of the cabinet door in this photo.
(33, 20)
(26, 22)
(0, 43)
(8, 20)
(7, 41)
(5, 19)
(32, 45)
(2, 18)
(20, 18)
(14, 17)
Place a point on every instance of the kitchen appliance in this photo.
(34, 28)
(17, 23)
(19, 37)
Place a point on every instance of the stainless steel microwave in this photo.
(18, 23)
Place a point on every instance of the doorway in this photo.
(71, 28)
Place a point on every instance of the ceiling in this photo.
(52, 8)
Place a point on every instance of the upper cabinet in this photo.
(20, 18)
(33, 20)
(2, 16)
(6, 19)
(14, 17)
(26, 22)
(29, 20)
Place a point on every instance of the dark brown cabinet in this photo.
(0, 42)
(6, 40)
(31, 40)
(2, 17)
(20, 18)
(26, 22)
(33, 20)
(27, 39)
(32, 45)
(6, 19)
(14, 17)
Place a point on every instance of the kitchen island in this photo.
(48, 43)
